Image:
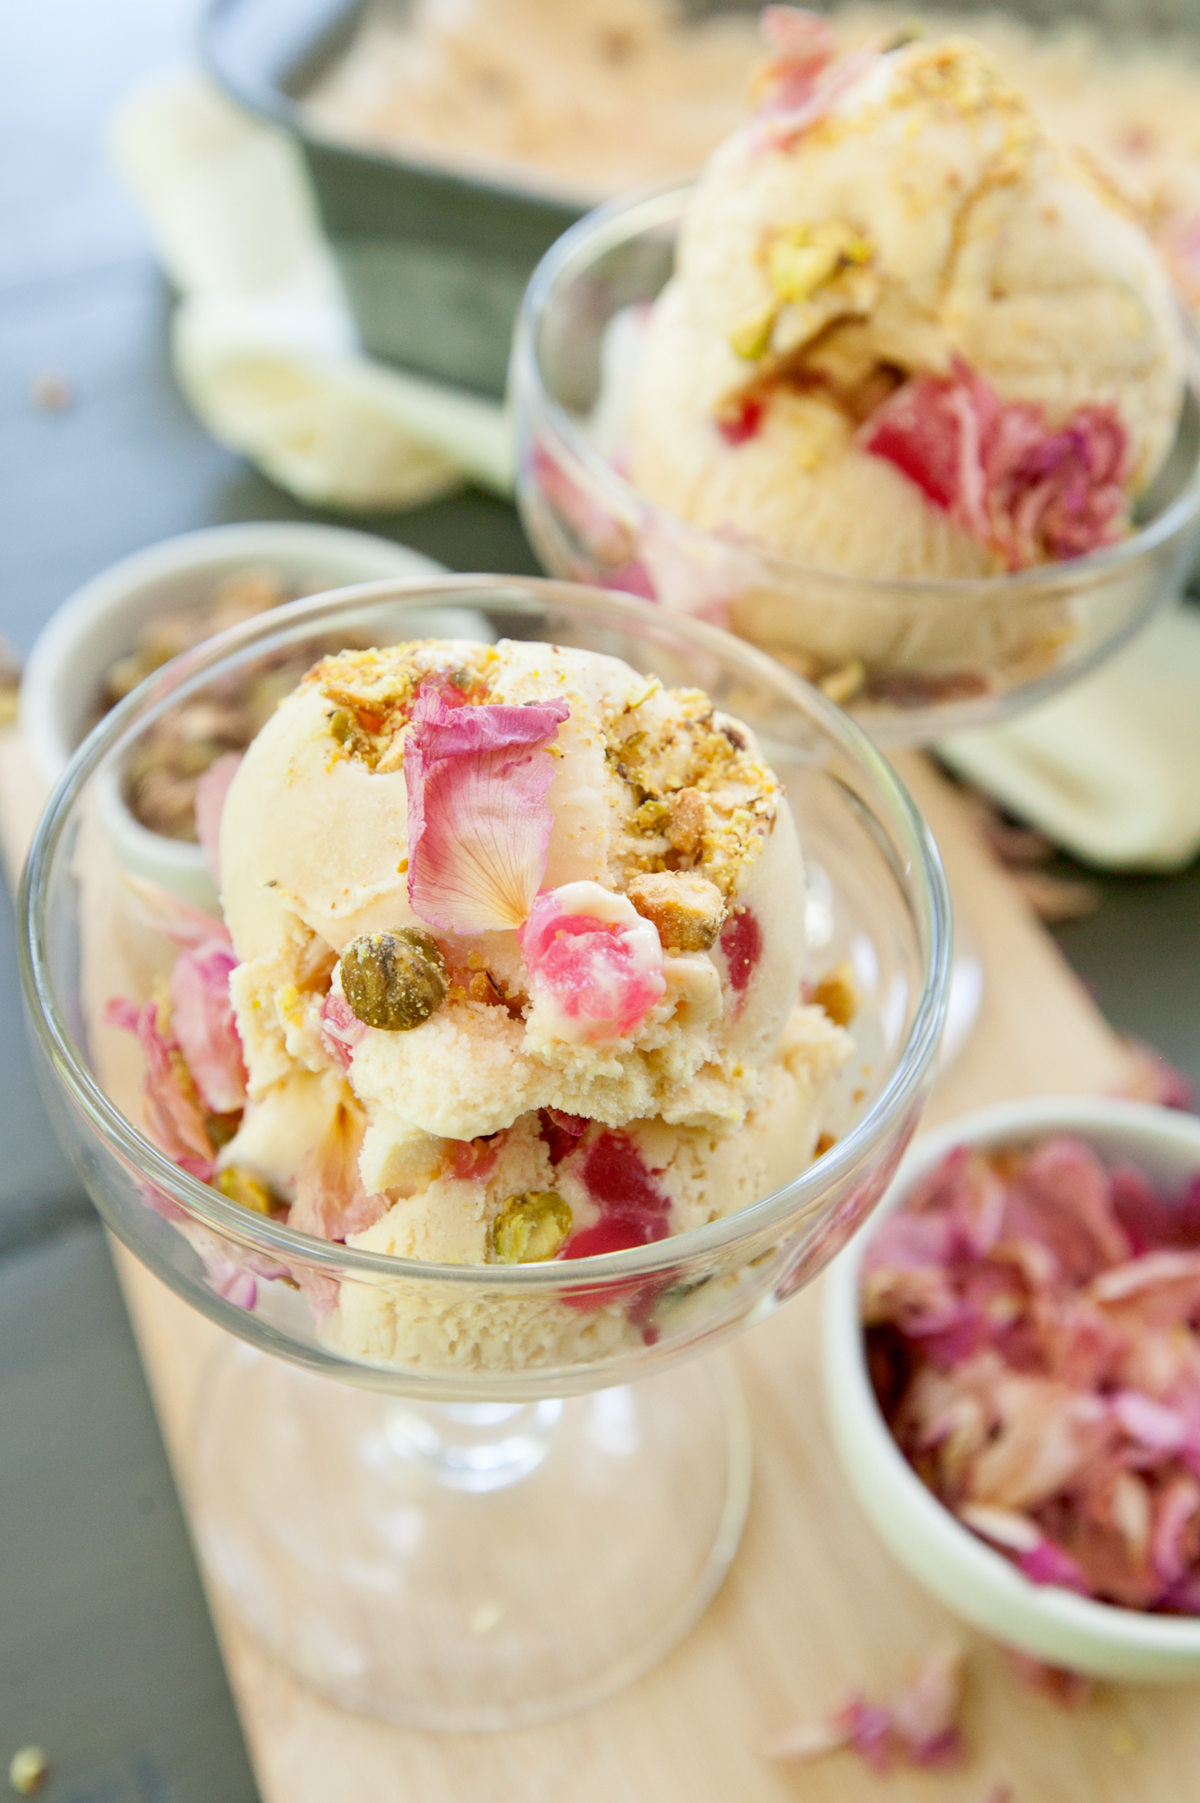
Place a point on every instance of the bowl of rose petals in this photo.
(1012, 1377)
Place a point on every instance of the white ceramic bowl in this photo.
(962, 1571)
(101, 621)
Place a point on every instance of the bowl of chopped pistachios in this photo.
(133, 618)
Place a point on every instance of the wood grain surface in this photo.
(814, 1605)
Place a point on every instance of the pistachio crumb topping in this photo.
(394, 981)
(837, 994)
(530, 1228)
(372, 693)
(701, 797)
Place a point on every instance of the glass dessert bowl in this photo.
(526, 1491)
(913, 659)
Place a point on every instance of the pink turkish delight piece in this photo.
(595, 965)
(478, 823)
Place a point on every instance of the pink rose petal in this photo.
(172, 1114)
(1033, 493)
(341, 1029)
(178, 920)
(1041, 1366)
(478, 824)
(330, 1199)
(211, 790)
(203, 1023)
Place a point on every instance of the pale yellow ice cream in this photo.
(923, 221)
(666, 825)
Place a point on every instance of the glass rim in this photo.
(616, 221)
(221, 655)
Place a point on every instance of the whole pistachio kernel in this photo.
(530, 1228)
(394, 981)
(341, 724)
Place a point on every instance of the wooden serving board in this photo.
(814, 1605)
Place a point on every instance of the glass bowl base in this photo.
(473, 1566)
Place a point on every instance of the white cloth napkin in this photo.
(263, 343)
(1110, 769)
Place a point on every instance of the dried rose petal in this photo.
(211, 789)
(925, 1712)
(341, 1029)
(203, 1023)
(1032, 1337)
(478, 824)
(174, 1118)
(918, 1724)
(330, 1200)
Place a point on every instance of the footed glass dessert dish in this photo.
(474, 1494)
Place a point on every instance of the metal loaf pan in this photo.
(434, 263)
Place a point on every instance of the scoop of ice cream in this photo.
(596, 1190)
(485, 882)
(908, 333)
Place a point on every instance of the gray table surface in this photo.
(107, 1656)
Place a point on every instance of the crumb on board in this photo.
(51, 391)
(28, 1770)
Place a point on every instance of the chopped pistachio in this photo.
(803, 258)
(843, 684)
(751, 336)
(394, 981)
(248, 1191)
(341, 724)
(530, 1228)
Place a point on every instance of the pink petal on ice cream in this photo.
(330, 1199)
(230, 1281)
(173, 1116)
(478, 824)
(177, 920)
(595, 965)
(211, 790)
(1032, 493)
(341, 1029)
(203, 1023)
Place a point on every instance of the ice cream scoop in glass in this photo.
(898, 389)
(526, 1064)
(895, 390)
